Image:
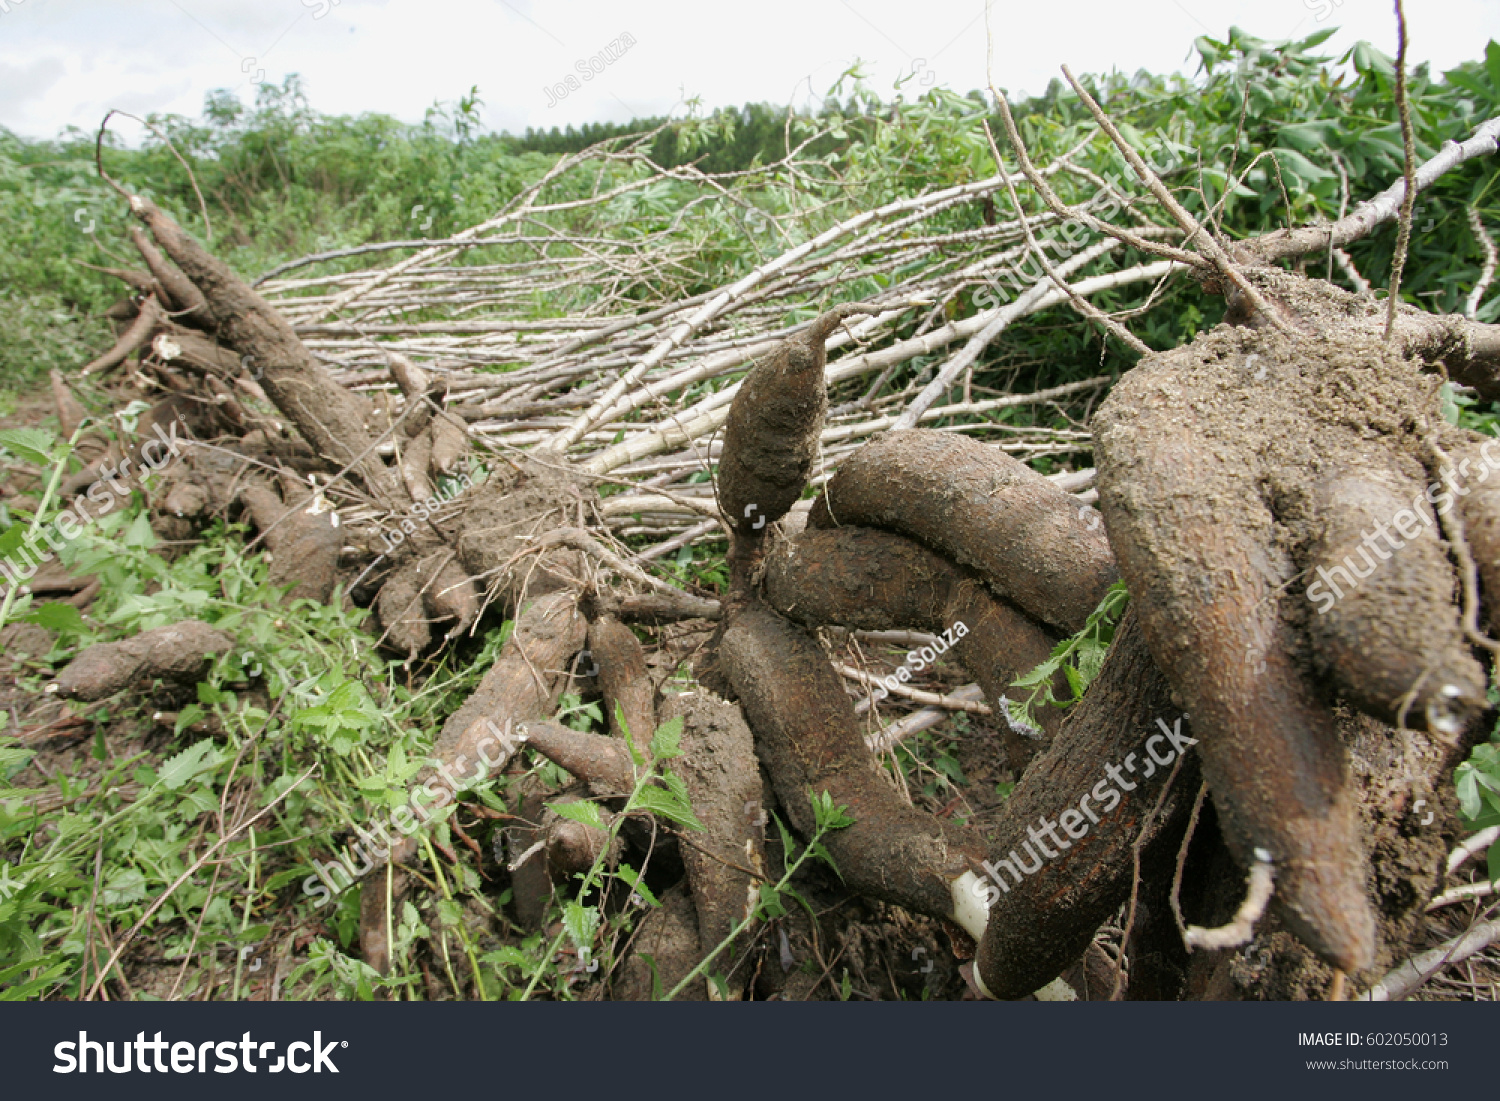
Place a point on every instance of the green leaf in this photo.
(580, 923)
(1075, 681)
(1492, 65)
(579, 811)
(637, 884)
(32, 445)
(624, 728)
(827, 815)
(62, 618)
(1312, 136)
(187, 717)
(770, 902)
(1468, 790)
(193, 760)
(666, 743)
(670, 802)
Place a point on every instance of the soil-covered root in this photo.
(877, 580)
(1480, 512)
(301, 532)
(180, 652)
(182, 297)
(1099, 781)
(1028, 539)
(416, 457)
(452, 597)
(629, 696)
(450, 442)
(70, 411)
(668, 935)
(1394, 643)
(506, 516)
(330, 418)
(771, 436)
(726, 860)
(603, 763)
(523, 685)
(1208, 468)
(151, 315)
(402, 613)
(1062, 862)
(573, 846)
(808, 740)
(1408, 814)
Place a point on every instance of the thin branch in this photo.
(1281, 245)
(1404, 980)
(1471, 306)
(1408, 175)
(1081, 304)
(1210, 247)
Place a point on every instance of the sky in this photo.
(67, 62)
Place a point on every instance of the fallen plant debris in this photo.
(640, 673)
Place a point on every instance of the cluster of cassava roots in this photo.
(1233, 473)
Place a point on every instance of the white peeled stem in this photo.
(1471, 306)
(1242, 928)
(1476, 843)
(884, 739)
(1460, 894)
(970, 912)
(997, 323)
(716, 305)
(1405, 979)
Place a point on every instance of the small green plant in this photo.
(826, 818)
(1079, 657)
(1478, 783)
(658, 791)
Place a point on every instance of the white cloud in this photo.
(399, 56)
